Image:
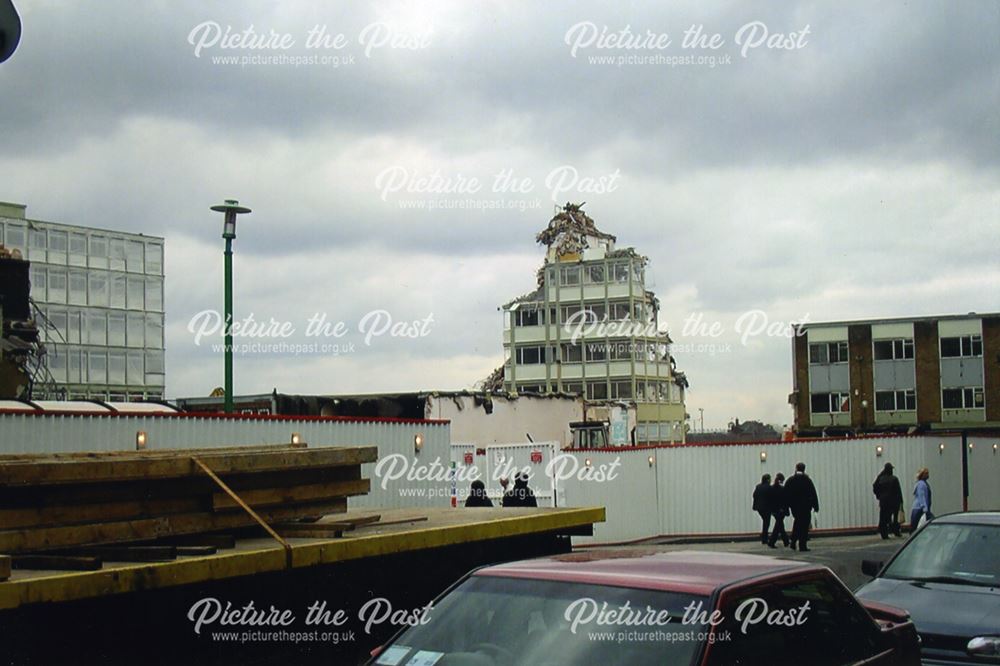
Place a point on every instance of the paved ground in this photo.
(842, 554)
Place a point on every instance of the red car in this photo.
(640, 607)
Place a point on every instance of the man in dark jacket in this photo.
(800, 493)
(477, 495)
(520, 494)
(762, 505)
(890, 500)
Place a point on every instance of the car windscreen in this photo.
(491, 620)
(951, 553)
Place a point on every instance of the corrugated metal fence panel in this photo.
(984, 473)
(59, 433)
(392, 482)
(707, 489)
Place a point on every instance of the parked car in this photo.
(947, 575)
(630, 606)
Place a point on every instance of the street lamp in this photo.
(231, 208)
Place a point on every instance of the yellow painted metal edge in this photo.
(148, 576)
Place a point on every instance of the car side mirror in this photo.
(871, 567)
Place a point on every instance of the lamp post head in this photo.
(231, 208)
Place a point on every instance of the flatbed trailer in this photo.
(407, 556)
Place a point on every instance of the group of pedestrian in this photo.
(775, 501)
(889, 494)
(519, 495)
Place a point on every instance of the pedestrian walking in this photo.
(890, 500)
(779, 510)
(921, 499)
(800, 493)
(520, 494)
(762, 506)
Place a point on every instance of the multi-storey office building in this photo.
(931, 372)
(591, 328)
(99, 296)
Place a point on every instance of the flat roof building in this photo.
(99, 299)
(897, 374)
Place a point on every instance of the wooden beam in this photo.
(145, 453)
(121, 468)
(292, 495)
(146, 529)
(192, 551)
(292, 532)
(128, 553)
(219, 541)
(4, 567)
(102, 512)
(342, 525)
(56, 563)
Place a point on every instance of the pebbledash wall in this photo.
(28, 431)
(706, 489)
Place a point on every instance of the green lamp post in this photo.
(231, 208)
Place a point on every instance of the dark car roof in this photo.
(971, 518)
(694, 572)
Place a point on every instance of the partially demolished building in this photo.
(592, 328)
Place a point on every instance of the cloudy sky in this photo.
(822, 161)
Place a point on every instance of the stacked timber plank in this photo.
(61, 502)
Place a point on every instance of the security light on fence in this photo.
(651, 460)
(941, 448)
(763, 456)
(296, 439)
(994, 449)
(970, 446)
(586, 462)
(878, 451)
(418, 443)
(140, 439)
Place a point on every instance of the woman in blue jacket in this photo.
(921, 499)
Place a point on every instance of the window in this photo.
(830, 403)
(116, 254)
(895, 401)
(75, 327)
(531, 388)
(57, 285)
(118, 290)
(621, 350)
(596, 351)
(98, 283)
(97, 367)
(116, 329)
(573, 387)
(135, 329)
(116, 367)
(594, 274)
(619, 311)
(966, 345)
(97, 328)
(15, 237)
(77, 249)
(154, 367)
(962, 398)
(619, 272)
(597, 391)
(134, 368)
(529, 355)
(58, 244)
(39, 283)
(154, 259)
(154, 330)
(77, 288)
(569, 275)
(596, 312)
(828, 352)
(829, 612)
(572, 353)
(98, 251)
(133, 256)
(893, 350)
(522, 317)
(621, 389)
(58, 319)
(74, 366)
(57, 365)
(136, 293)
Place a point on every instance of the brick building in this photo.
(897, 374)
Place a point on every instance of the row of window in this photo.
(897, 401)
(613, 311)
(94, 249)
(60, 393)
(73, 365)
(96, 288)
(614, 389)
(606, 350)
(823, 353)
(615, 272)
(103, 327)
